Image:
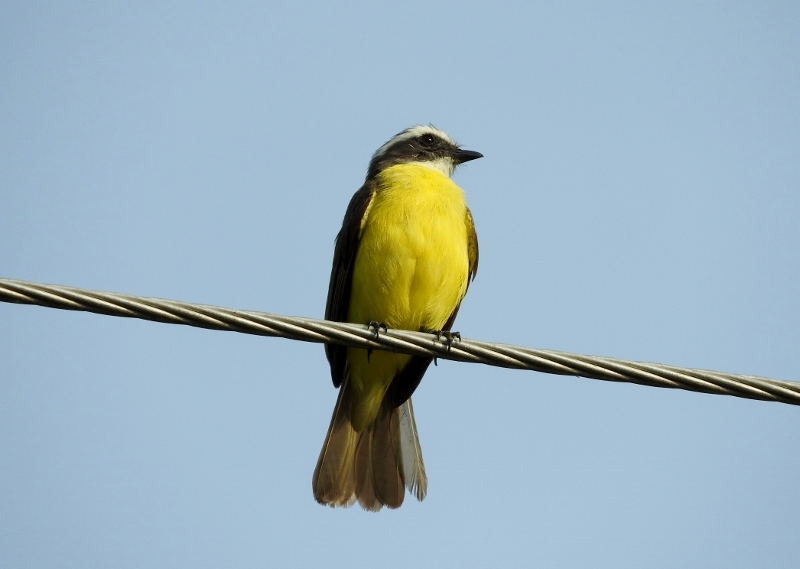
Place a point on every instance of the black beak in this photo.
(461, 156)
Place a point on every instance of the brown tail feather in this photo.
(373, 466)
(387, 471)
(365, 487)
(334, 481)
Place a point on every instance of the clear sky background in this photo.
(639, 198)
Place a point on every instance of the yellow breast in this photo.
(412, 267)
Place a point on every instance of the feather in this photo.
(334, 481)
(386, 459)
(365, 489)
(406, 439)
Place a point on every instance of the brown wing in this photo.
(472, 249)
(344, 256)
(406, 382)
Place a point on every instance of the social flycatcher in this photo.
(404, 257)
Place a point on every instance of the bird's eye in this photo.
(427, 140)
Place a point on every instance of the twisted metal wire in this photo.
(414, 343)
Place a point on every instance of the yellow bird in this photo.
(404, 258)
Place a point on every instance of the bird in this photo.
(404, 258)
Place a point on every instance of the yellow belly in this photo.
(411, 271)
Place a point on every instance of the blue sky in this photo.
(639, 198)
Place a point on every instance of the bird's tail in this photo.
(374, 466)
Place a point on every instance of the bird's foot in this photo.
(449, 338)
(375, 326)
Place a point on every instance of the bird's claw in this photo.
(375, 326)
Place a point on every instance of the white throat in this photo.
(443, 165)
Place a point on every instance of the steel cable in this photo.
(414, 343)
